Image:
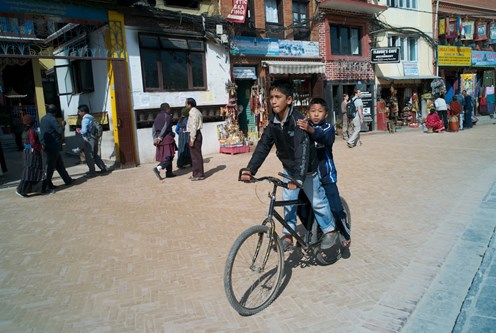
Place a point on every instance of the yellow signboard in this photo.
(454, 56)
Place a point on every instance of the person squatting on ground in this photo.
(357, 121)
(163, 140)
(195, 124)
(323, 134)
(442, 109)
(91, 143)
(299, 160)
(51, 139)
(32, 170)
(433, 121)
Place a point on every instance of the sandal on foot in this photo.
(287, 242)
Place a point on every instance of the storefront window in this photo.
(346, 40)
(300, 20)
(407, 45)
(402, 3)
(172, 64)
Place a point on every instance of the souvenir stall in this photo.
(231, 138)
(404, 114)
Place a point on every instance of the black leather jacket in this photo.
(294, 150)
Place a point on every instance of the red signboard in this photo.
(238, 13)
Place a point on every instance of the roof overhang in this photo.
(409, 77)
(352, 6)
(294, 67)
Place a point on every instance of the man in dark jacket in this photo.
(299, 160)
(51, 139)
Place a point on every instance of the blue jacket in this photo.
(324, 136)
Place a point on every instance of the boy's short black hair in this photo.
(284, 86)
(318, 100)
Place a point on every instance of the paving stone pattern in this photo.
(128, 253)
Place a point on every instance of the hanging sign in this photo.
(385, 55)
(238, 13)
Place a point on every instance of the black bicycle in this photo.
(255, 263)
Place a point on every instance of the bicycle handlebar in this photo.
(276, 181)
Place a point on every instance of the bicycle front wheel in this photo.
(254, 269)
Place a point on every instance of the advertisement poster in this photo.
(274, 47)
(468, 82)
(483, 59)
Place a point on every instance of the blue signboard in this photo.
(483, 59)
(30, 7)
(273, 47)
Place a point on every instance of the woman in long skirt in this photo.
(32, 172)
(184, 156)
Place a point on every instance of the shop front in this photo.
(403, 101)
(472, 71)
(259, 61)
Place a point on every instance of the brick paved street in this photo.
(127, 253)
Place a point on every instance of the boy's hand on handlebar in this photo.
(245, 175)
(292, 186)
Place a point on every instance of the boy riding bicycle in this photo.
(299, 159)
(323, 134)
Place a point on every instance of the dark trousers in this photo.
(92, 157)
(2, 159)
(468, 119)
(332, 194)
(444, 117)
(196, 156)
(55, 162)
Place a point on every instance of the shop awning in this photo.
(294, 67)
(409, 77)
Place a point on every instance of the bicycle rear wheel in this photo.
(254, 269)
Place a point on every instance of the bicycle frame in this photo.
(272, 213)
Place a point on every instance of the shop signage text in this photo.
(454, 56)
(483, 59)
(385, 55)
(238, 12)
(274, 47)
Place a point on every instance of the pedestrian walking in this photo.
(195, 124)
(354, 139)
(32, 181)
(346, 123)
(163, 140)
(51, 139)
(91, 142)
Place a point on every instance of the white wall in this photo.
(421, 18)
(97, 101)
(218, 67)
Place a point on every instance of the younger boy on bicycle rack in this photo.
(299, 160)
(323, 134)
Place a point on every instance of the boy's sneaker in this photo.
(329, 240)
